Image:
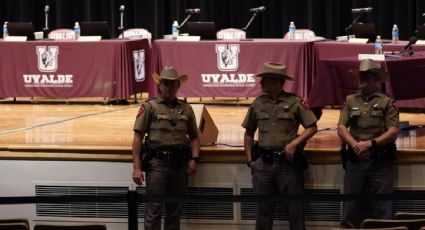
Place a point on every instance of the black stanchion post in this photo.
(132, 209)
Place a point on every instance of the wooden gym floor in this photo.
(104, 133)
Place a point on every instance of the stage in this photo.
(96, 132)
(54, 148)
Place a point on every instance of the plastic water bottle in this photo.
(292, 29)
(175, 29)
(5, 31)
(77, 30)
(378, 45)
(395, 34)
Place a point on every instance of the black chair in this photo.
(21, 29)
(206, 30)
(100, 28)
(377, 223)
(409, 216)
(364, 30)
(14, 226)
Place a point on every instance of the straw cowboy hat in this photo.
(273, 69)
(369, 65)
(169, 73)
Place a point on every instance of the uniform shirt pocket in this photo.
(263, 121)
(355, 114)
(286, 122)
(376, 118)
(163, 122)
(182, 122)
(286, 116)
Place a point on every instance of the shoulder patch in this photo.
(393, 102)
(141, 110)
(304, 104)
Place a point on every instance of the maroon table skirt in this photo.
(228, 68)
(334, 81)
(65, 69)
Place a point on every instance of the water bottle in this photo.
(175, 29)
(77, 30)
(5, 31)
(292, 31)
(395, 34)
(378, 45)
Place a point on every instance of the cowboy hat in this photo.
(169, 73)
(273, 69)
(369, 65)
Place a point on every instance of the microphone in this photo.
(423, 15)
(362, 10)
(46, 9)
(257, 9)
(192, 11)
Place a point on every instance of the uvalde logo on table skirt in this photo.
(228, 61)
(139, 65)
(47, 62)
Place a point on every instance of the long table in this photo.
(332, 82)
(65, 69)
(227, 68)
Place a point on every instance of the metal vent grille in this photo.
(81, 210)
(409, 205)
(210, 211)
(204, 211)
(314, 210)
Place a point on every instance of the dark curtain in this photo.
(326, 18)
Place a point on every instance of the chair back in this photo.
(21, 29)
(100, 28)
(14, 226)
(378, 223)
(395, 228)
(70, 227)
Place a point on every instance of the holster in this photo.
(300, 160)
(146, 155)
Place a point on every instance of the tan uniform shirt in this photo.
(167, 125)
(277, 122)
(368, 119)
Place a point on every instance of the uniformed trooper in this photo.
(368, 125)
(170, 126)
(277, 163)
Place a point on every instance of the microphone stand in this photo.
(250, 21)
(121, 27)
(46, 25)
(348, 28)
(185, 20)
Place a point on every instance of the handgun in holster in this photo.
(255, 153)
(300, 160)
(146, 155)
